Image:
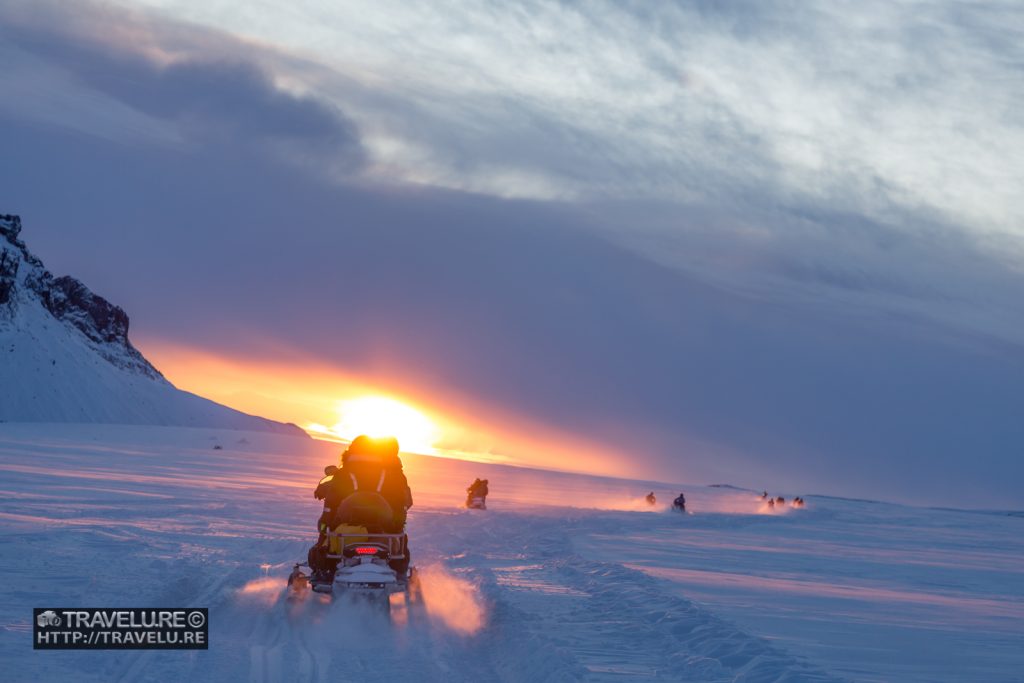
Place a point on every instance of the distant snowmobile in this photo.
(476, 495)
(679, 503)
(651, 498)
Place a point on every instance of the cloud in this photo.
(866, 109)
(201, 94)
(927, 270)
(812, 151)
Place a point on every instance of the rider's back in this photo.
(370, 474)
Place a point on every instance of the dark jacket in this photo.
(367, 475)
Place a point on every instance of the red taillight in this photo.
(366, 550)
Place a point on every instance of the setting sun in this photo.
(382, 416)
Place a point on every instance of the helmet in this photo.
(367, 448)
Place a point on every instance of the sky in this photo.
(775, 245)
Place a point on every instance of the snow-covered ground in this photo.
(598, 587)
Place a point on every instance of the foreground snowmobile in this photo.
(362, 549)
(359, 558)
(364, 568)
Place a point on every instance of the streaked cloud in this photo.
(876, 108)
(145, 76)
(855, 154)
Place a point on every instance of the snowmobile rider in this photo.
(680, 502)
(478, 489)
(651, 498)
(368, 465)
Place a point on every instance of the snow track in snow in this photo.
(613, 622)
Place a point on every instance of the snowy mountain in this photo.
(65, 356)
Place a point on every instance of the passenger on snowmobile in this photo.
(368, 490)
(324, 491)
(679, 503)
(651, 498)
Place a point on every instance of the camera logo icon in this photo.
(48, 618)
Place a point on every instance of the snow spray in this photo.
(452, 601)
(265, 589)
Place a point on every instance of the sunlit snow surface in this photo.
(563, 578)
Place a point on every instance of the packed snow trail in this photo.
(613, 621)
(548, 615)
(135, 516)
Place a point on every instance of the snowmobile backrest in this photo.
(365, 508)
(347, 536)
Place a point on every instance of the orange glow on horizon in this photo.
(426, 419)
(381, 416)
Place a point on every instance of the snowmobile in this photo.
(651, 498)
(370, 564)
(679, 504)
(476, 502)
(364, 569)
